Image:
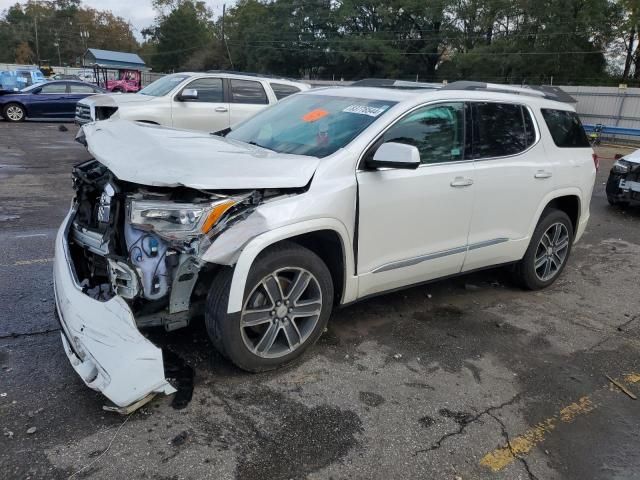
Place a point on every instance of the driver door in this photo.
(209, 112)
(49, 101)
(414, 224)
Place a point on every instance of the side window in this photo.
(438, 131)
(247, 91)
(566, 128)
(499, 130)
(209, 90)
(78, 88)
(281, 90)
(54, 88)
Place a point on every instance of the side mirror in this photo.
(395, 155)
(36, 91)
(189, 94)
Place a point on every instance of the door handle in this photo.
(542, 174)
(461, 182)
(221, 109)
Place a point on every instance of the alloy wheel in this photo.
(551, 252)
(281, 312)
(14, 113)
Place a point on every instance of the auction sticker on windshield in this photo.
(366, 110)
(315, 115)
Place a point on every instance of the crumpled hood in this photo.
(165, 157)
(115, 99)
(633, 157)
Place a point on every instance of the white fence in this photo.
(610, 106)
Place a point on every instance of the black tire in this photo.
(14, 107)
(525, 272)
(225, 329)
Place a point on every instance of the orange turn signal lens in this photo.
(215, 215)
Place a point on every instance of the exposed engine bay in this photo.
(144, 243)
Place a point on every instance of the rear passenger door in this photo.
(512, 176)
(77, 91)
(246, 98)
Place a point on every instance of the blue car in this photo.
(50, 101)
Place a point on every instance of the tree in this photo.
(182, 29)
(23, 53)
(59, 24)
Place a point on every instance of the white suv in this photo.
(195, 101)
(327, 198)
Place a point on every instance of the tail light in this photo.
(596, 161)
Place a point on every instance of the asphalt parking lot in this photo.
(470, 378)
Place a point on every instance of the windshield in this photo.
(314, 125)
(31, 87)
(163, 85)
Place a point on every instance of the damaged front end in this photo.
(623, 185)
(129, 256)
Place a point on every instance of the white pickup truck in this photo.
(194, 101)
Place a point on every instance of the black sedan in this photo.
(51, 100)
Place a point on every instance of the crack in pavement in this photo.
(463, 426)
(507, 438)
(29, 334)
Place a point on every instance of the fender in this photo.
(563, 192)
(259, 243)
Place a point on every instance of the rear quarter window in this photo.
(566, 128)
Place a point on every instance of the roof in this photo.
(415, 97)
(112, 57)
(243, 76)
(391, 83)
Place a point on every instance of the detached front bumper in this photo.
(101, 339)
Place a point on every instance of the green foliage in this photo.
(493, 40)
(514, 41)
(59, 23)
(181, 37)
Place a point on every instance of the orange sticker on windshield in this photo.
(315, 115)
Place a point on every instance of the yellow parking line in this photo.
(524, 443)
(34, 261)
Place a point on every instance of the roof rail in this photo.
(541, 91)
(251, 74)
(391, 83)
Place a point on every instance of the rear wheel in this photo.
(548, 251)
(14, 112)
(287, 302)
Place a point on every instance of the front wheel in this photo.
(287, 302)
(548, 251)
(14, 112)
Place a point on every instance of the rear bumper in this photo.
(101, 339)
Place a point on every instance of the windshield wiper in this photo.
(261, 146)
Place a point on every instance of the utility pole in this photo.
(224, 39)
(35, 22)
(57, 45)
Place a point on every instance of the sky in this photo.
(141, 15)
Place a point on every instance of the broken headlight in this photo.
(177, 221)
(621, 166)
